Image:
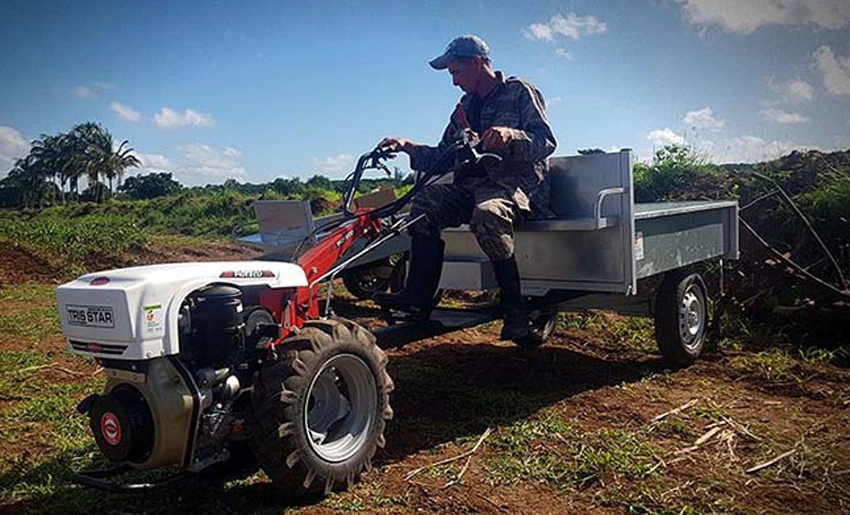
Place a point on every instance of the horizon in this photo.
(253, 93)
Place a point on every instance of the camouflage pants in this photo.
(487, 208)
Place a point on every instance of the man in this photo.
(509, 116)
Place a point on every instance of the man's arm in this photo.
(422, 157)
(533, 141)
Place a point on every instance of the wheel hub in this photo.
(341, 409)
(691, 316)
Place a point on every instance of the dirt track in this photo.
(573, 431)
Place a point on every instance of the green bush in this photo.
(673, 174)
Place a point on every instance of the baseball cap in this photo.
(461, 46)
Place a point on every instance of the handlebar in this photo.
(465, 149)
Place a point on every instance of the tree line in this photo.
(50, 174)
(52, 170)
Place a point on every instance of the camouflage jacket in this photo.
(517, 104)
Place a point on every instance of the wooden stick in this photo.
(28, 369)
(771, 462)
(707, 436)
(740, 427)
(459, 476)
(470, 452)
(69, 371)
(500, 508)
(686, 450)
(673, 411)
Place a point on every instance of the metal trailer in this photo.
(600, 240)
(600, 250)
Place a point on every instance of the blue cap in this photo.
(461, 46)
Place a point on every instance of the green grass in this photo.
(553, 452)
(71, 241)
(637, 333)
(29, 313)
(29, 292)
(773, 365)
(31, 326)
(12, 361)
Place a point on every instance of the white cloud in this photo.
(83, 92)
(663, 137)
(752, 149)
(835, 69)
(747, 16)
(12, 147)
(799, 91)
(539, 31)
(154, 161)
(563, 52)
(203, 163)
(747, 149)
(780, 116)
(90, 90)
(334, 164)
(125, 112)
(703, 119)
(194, 165)
(171, 119)
(571, 26)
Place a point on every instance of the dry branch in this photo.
(707, 436)
(410, 475)
(771, 462)
(673, 411)
(28, 369)
(69, 371)
(500, 508)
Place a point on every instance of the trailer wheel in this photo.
(365, 281)
(542, 325)
(320, 407)
(681, 317)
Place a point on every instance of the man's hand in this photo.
(394, 144)
(497, 138)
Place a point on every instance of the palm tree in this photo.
(119, 161)
(102, 159)
(29, 180)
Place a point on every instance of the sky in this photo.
(265, 89)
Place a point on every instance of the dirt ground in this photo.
(594, 422)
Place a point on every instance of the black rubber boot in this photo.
(514, 311)
(423, 277)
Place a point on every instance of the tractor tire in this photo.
(365, 281)
(540, 329)
(320, 406)
(681, 317)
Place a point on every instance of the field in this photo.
(594, 422)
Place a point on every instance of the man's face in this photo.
(464, 74)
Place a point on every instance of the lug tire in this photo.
(681, 317)
(540, 329)
(287, 403)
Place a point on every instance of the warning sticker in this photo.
(153, 319)
(638, 245)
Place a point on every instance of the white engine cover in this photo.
(131, 313)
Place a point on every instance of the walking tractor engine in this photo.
(179, 350)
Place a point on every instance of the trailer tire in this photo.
(681, 317)
(365, 281)
(320, 407)
(540, 329)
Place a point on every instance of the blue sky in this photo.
(216, 90)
